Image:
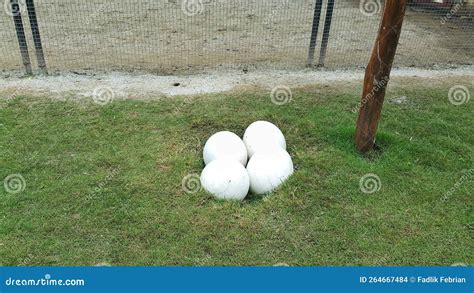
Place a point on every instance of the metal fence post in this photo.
(30, 6)
(314, 31)
(20, 34)
(327, 29)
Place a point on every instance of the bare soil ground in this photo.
(159, 37)
(148, 86)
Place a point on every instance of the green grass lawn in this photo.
(104, 183)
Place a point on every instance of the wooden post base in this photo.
(377, 74)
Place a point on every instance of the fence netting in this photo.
(184, 36)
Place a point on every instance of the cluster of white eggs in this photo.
(259, 162)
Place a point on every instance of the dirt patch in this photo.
(133, 86)
(158, 37)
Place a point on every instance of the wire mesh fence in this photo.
(183, 36)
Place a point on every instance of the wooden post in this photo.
(377, 74)
(30, 6)
(314, 31)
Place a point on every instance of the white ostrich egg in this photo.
(261, 136)
(225, 145)
(226, 179)
(269, 169)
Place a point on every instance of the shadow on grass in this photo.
(342, 138)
